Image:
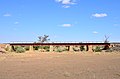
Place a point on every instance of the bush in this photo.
(20, 49)
(36, 47)
(75, 49)
(46, 48)
(65, 49)
(7, 48)
(106, 47)
(82, 48)
(97, 49)
(26, 48)
(58, 50)
(16, 47)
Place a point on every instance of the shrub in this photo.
(7, 48)
(82, 48)
(75, 49)
(26, 47)
(46, 48)
(97, 49)
(58, 50)
(65, 49)
(20, 49)
(36, 47)
(106, 47)
(16, 47)
(40, 47)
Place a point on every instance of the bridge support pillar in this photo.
(71, 48)
(94, 47)
(31, 48)
(90, 49)
(9, 48)
(67, 48)
(86, 48)
(51, 48)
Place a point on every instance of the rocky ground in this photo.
(35, 65)
(114, 49)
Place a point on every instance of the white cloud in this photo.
(66, 6)
(66, 25)
(95, 32)
(66, 3)
(99, 15)
(7, 15)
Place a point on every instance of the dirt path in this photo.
(59, 66)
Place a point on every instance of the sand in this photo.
(60, 66)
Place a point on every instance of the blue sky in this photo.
(62, 20)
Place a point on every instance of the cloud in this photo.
(66, 3)
(99, 15)
(95, 32)
(66, 25)
(66, 6)
(7, 14)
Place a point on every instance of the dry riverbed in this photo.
(36, 65)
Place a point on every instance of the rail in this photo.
(58, 44)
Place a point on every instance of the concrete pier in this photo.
(51, 48)
(90, 48)
(9, 48)
(86, 48)
(71, 48)
(31, 48)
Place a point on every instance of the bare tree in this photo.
(43, 38)
(106, 39)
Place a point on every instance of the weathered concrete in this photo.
(71, 48)
(51, 48)
(86, 48)
(9, 48)
(67, 48)
(94, 47)
(31, 48)
(90, 48)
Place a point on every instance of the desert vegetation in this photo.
(23, 49)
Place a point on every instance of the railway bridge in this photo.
(70, 45)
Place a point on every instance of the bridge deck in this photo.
(57, 44)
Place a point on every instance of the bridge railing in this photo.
(61, 42)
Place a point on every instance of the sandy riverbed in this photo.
(60, 66)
